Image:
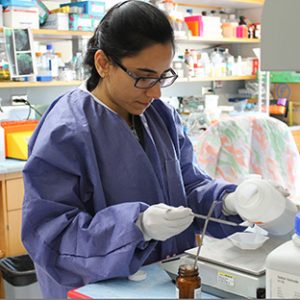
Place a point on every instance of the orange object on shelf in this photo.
(17, 135)
(277, 109)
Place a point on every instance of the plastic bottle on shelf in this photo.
(178, 65)
(4, 67)
(188, 64)
(51, 59)
(283, 268)
(42, 67)
(229, 28)
(242, 28)
(78, 65)
(229, 61)
(189, 12)
(217, 60)
(60, 64)
(239, 66)
(206, 63)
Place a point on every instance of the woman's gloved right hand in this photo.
(161, 221)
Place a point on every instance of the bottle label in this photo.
(197, 293)
(282, 285)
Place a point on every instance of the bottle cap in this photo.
(49, 47)
(138, 276)
(297, 224)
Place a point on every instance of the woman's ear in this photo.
(102, 63)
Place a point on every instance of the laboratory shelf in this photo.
(207, 40)
(70, 34)
(29, 84)
(58, 34)
(226, 78)
(219, 4)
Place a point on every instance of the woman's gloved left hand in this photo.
(250, 191)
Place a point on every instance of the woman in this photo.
(111, 180)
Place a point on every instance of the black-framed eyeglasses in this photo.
(165, 80)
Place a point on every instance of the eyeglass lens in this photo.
(150, 82)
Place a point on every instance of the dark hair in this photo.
(126, 29)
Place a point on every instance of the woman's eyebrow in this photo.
(150, 70)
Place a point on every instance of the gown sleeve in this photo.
(202, 190)
(63, 233)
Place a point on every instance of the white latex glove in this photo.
(161, 221)
(229, 203)
(285, 192)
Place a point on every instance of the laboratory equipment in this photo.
(188, 283)
(260, 202)
(229, 271)
(283, 268)
(248, 240)
(225, 270)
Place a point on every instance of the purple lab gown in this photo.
(88, 178)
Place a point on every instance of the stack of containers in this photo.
(85, 15)
(212, 27)
(195, 25)
(58, 19)
(20, 14)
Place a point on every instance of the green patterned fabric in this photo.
(255, 144)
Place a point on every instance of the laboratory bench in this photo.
(157, 285)
(12, 192)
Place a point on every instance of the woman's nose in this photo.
(154, 92)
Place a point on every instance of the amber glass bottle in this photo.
(188, 282)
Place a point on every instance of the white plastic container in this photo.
(259, 202)
(21, 17)
(283, 268)
(2, 144)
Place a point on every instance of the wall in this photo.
(37, 95)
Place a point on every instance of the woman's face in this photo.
(117, 89)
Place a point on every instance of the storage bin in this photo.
(19, 278)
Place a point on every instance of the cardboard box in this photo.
(295, 115)
(59, 21)
(290, 91)
(21, 17)
(93, 8)
(21, 3)
(82, 22)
